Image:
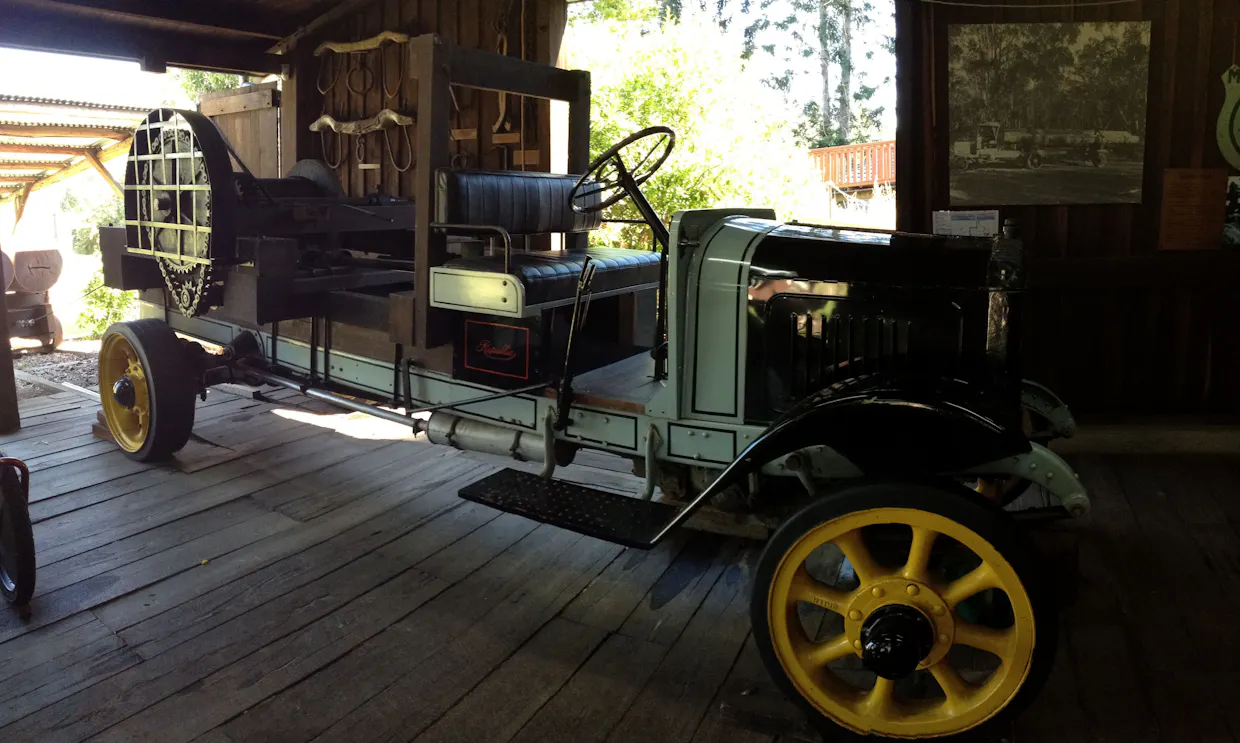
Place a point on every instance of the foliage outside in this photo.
(196, 82)
(734, 146)
(105, 306)
(92, 216)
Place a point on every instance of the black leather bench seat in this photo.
(550, 276)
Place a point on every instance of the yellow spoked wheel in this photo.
(903, 610)
(147, 389)
(128, 408)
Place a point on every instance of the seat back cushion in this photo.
(523, 203)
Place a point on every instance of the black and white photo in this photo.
(1047, 113)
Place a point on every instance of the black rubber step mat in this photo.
(629, 521)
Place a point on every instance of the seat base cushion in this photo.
(551, 276)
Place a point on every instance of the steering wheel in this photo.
(608, 179)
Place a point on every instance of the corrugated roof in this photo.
(8, 98)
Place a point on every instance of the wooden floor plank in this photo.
(60, 677)
(150, 542)
(49, 642)
(159, 598)
(355, 694)
(746, 674)
(65, 536)
(113, 700)
(407, 707)
(675, 597)
(587, 708)
(497, 708)
(231, 690)
(1178, 582)
(680, 692)
(609, 600)
(233, 597)
(50, 607)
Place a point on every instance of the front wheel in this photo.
(148, 387)
(903, 610)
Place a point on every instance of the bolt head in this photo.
(944, 639)
(1050, 475)
(857, 644)
(938, 610)
(913, 590)
(878, 592)
(854, 615)
(1033, 465)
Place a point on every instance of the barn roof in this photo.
(45, 140)
(230, 35)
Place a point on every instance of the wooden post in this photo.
(579, 143)
(95, 163)
(10, 420)
(429, 67)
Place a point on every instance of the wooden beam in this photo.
(9, 148)
(20, 209)
(111, 153)
(30, 25)
(17, 179)
(474, 68)
(10, 419)
(24, 166)
(433, 132)
(61, 130)
(93, 159)
(342, 9)
(201, 18)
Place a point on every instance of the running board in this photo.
(625, 520)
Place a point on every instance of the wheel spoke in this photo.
(822, 653)
(805, 588)
(863, 564)
(954, 688)
(919, 554)
(976, 581)
(993, 641)
(879, 701)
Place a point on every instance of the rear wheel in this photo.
(903, 610)
(17, 559)
(148, 389)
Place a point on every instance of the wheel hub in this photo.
(125, 393)
(895, 638)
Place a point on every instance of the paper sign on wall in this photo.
(976, 223)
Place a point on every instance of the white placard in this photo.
(978, 223)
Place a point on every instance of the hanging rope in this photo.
(391, 154)
(326, 62)
(400, 72)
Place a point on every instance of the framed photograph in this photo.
(1047, 113)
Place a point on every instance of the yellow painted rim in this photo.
(118, 359)
(879, 710)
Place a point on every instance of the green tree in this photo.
(90, 217)
(734, 147)
(826, 34)
(104, 306)
(197, 82)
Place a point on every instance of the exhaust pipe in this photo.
(470, 435)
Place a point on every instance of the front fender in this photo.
(885, 431)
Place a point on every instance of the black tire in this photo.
(17, 558)
(1033, 160)
(948, 499)
(172, 387)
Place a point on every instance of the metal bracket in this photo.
(1046, 404)
(1044, 467)
(652, 461)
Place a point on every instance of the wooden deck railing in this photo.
(857, 165)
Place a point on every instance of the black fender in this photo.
(889, 430)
